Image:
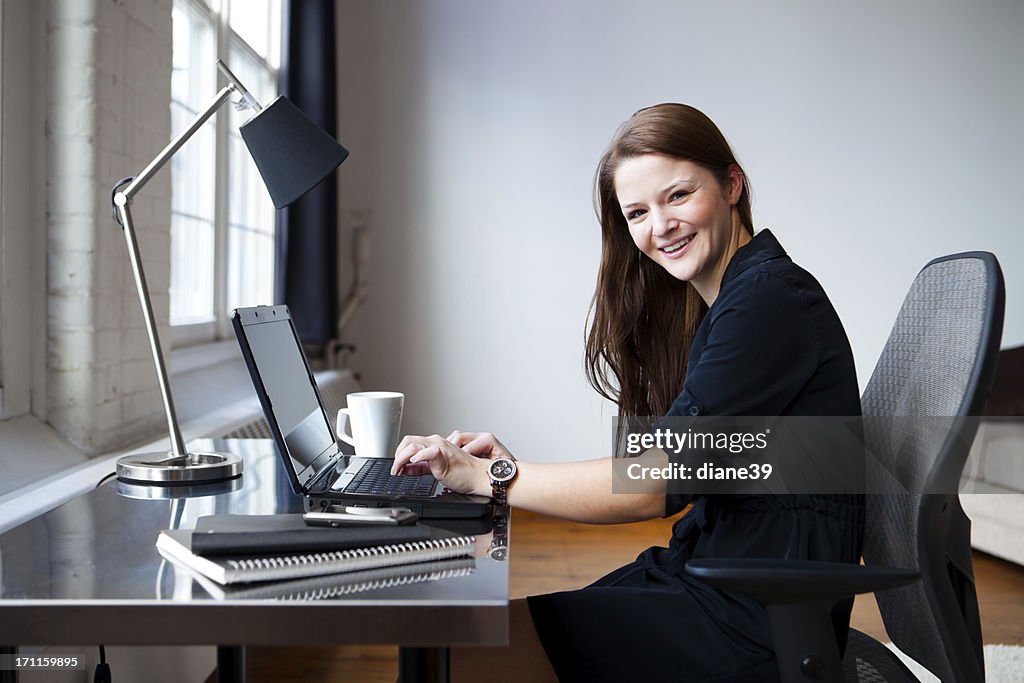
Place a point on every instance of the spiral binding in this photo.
(374, 584)
(353, 559)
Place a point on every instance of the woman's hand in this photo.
(480, 444)
(450, 465)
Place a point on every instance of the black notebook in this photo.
(275, 547)
(262, 534)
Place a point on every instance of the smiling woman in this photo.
(693, 315)
(687, 228)
(668, 175)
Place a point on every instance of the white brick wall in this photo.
(108, 102)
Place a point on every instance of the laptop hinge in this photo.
(325, 471)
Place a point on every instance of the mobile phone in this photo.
(353, 516)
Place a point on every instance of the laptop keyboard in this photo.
(375, 477)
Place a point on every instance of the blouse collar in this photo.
(762, 247)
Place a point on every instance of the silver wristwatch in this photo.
(502, 471)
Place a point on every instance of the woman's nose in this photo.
(663, 224)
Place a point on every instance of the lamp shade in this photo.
(292, 153)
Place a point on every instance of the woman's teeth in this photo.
(678, 245)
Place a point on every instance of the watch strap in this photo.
(499, 492)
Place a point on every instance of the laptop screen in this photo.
(290, 388)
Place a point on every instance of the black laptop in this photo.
(322, 470)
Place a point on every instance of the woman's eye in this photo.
(678, 194)
(635, 213)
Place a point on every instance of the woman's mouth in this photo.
(678, 248)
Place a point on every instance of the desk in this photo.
(88, 573)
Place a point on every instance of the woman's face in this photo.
(681, 217)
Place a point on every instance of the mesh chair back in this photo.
(933, 375)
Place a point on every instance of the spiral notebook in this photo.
(336, 585)
(176, 545)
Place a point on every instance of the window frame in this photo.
(225, 39)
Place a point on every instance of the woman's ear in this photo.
(734, 184)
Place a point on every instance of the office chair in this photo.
(921, 409)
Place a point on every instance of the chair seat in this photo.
(868, 661)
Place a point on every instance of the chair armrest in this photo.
(772, 581)
(798, 596)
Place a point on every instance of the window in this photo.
(222, 219)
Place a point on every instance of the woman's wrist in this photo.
(483, 477)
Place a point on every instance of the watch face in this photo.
(502, 470)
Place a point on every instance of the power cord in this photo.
(108, 476)
(102, 674)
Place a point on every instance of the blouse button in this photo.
(694, 411)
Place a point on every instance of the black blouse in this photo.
(771, 344)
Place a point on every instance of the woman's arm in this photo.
(581, 492)
(576, 491)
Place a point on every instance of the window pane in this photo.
(193, 76)
(250, 267)
(258, 23)
(250, 232)
(192, 269)
(248, 236)
(192, 169)
(250, 277)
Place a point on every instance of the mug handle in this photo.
(341, 427)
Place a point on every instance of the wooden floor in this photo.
(550, 555)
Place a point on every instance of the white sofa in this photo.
(992, 494)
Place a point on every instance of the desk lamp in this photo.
(293, 155)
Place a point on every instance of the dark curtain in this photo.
(306, 274)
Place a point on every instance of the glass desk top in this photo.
(88, 571)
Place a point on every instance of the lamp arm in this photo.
(122, 204)
(177, 442)
(174, 145)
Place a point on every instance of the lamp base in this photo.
(165, 469)
(149, 491)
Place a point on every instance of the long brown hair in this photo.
(642, 320)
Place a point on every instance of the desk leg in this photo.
(9, 676)
(230, 664)
(423, 665)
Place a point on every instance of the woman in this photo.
(693, 315)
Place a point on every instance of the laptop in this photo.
(324, 471)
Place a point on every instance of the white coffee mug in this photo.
(375, 418)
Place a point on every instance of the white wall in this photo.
(108, 114)
(876, 136)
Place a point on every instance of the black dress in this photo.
(770, 345)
